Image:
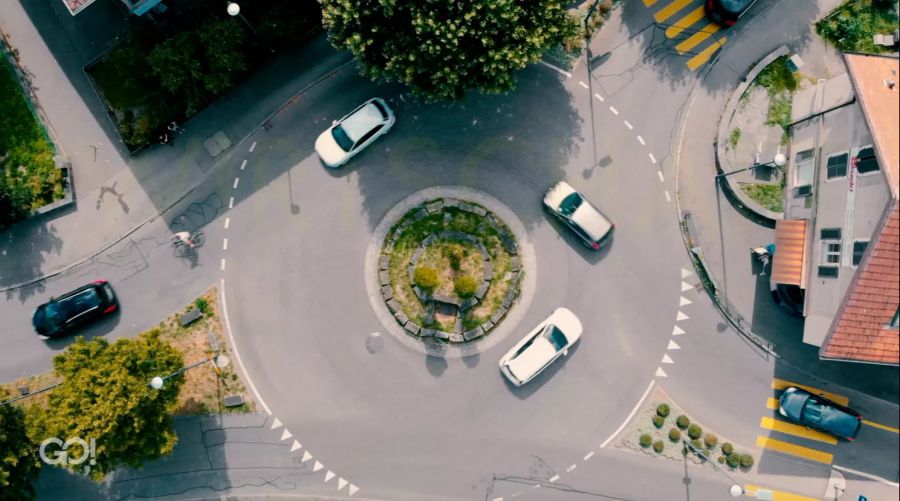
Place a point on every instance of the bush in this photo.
(203, 305)
(646, 440)
(711, 441)
(658, 446)
(425, 277)
(695, 431)
(746, 460)
(733, 461)
(682, 421)
(721, 459)
(727, 448)
(455, 256)
(465, 286)
(659, 421)
(662, 410)
(674, 434)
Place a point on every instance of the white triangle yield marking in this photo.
(667, 359)
(306, 456)
(328, 476)
(341, 483)
(286, 434)
(353, 489)
(677, 331)
(684, 301)
(685, 286)
(681, 316)
(276, 424)
(673, 345)
(296, 446)
(660, 372)
(685, 273)
(318, 466)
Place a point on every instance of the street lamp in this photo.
(235, 10)
(219, 363)
(779, 161)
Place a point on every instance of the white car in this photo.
(359, 128)
(550, 339)
(585, 220)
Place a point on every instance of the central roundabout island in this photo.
(449, 270)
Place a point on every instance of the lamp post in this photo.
(587, 44)
(219, 363)
(235, 10)
(779, 161)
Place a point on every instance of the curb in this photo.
(187, 191)
(732, 189)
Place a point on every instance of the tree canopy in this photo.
(106, 396)
(18, 455)
(441, 49)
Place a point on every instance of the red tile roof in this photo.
(76, 6)
(860, 331)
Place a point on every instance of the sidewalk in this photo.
(725, 236)
(116, 193)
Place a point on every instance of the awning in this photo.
(790, 244)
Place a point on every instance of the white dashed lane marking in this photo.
(652, 158)
(660, 174)
(589, 455)
(583, 84)
(554, 478)
(222, 267)
(627, 124)
(613, 110)
(236, 181)
(227, 222)
(641, 140)
(570, 468)
(224, 244)
(668, 197)
(252, 146)
(231, 202)
(598, 96)
(243, 164)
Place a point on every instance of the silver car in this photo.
(350, 135)
(550, 339)
(570, 207)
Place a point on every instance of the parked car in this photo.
(818, 412)
(570, 207)
(550, 339)
(359, 128)
(727, 12)
(61, 315)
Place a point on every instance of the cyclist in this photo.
(185, 238)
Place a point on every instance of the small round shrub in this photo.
(658, 446)
(674, 434)
(694, 431)
(455, 256)
(711, 441)
(659, 421)
(682, 421)
(662, 410)
(721, 459)
(733, 461)
(425, 277)
(727, 449)
(646, 440)
(746, 460)
(465, 286)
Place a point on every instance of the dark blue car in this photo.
(65, 313)
(818, 412)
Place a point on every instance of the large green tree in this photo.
(106, 396)
(443, 48)
(18, 455)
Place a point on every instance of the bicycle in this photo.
(181, 248)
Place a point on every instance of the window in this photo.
(831, 234)
(865, 160)
(828, 271)
(859, 248)
(895, 322)
(831, 252)
(803, 168)
(837, 166)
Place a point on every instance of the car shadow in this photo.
(100, 328)
(529, 388)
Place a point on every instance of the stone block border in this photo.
(444, 344)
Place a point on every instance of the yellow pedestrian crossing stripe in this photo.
(794, 450)
(686, 21)
(649, 3)
(751, 490)
(796, 430)
(772, 403)
(882, 426)
(696, 38)
(780, 384)
(670, 10)
(704, 55)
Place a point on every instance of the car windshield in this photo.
(735, 6)
(341, 138)
(570, 204)
(556, 337)
(54, 316)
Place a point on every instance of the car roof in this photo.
(361, 121)
(591, 220)
(535, 356)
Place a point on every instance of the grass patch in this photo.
(202, 391)
(851, 26)
(777, 77)
(29, 178)
(734, 138)
(767, 195)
